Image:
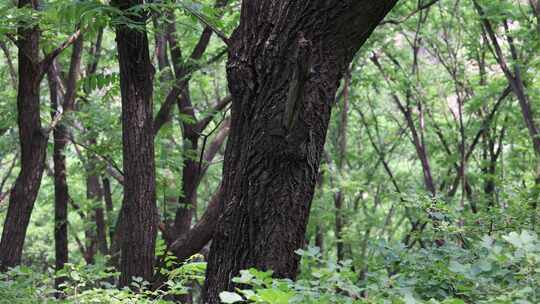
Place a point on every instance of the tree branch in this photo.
(47, 60)
(9, 61)
(197, 237)
(218, 107)
(207, 23)
(419, 9)
(8, 174)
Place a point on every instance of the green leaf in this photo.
(230, 297)
(274, 296)
(75, 276)
(457, 267)
(453, 301)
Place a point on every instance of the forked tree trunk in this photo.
(139, 204)
(61, 103)
(33, 143)
(286, 59)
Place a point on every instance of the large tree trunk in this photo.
(33, 143)
(139, 205)
(285, 62)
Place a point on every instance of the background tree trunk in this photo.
(339, 197)
(286, 59)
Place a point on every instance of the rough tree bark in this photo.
(139, 204)
(33, 143)
(286, 59)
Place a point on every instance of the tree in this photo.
(286, 59)
(139, 204)
(32, 142)
(515, 76)
(60, 104)
(32, 137)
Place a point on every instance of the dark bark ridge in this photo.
(286, 59)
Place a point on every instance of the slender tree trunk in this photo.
(190, 171)
(535, 7)
(96, 236)
(139, 205)
(340, 196)
(319, 238)
(101, 230)
(286, 59)
(319, 231)
(61, 194)
(61, 104)
(489, 168)
(33, 143)
(109, 207)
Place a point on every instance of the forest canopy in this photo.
(270, 151)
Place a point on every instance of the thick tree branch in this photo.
(204, 40)
(197, 237)
(164, 112)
